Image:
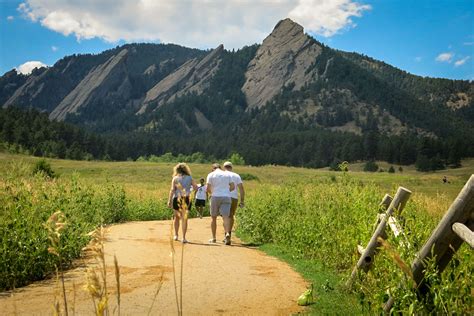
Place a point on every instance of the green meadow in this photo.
(311, 218)
(148, 179)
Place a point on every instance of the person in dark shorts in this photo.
(179, 197)
(201, 197)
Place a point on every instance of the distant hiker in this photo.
(179, 197)
(445, 179)
(219, 186)
(237, 180)
(201, 197)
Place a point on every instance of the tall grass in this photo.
(324, 220)
(26, 203)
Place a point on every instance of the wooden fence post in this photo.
(444, 242)
(366, 259)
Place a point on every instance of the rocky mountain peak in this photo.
(283, 59)
(287, 28)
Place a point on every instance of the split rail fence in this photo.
(455, 227)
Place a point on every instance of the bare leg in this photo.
(177, 218)
(227, 239)
(233, 209)
(185, 225)
(227, 226)
(214, 226)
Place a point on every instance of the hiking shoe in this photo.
(227, 239)
(184, 241)
(175, 238)
(212, 241)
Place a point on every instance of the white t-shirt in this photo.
(219, 181)
(201, 192)
(237, 180)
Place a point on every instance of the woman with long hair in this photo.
(179, 197)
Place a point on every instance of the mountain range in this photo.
(289, 100)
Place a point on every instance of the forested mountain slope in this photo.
(290, 100)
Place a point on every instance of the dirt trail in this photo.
(217, 279)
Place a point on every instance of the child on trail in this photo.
(201, 197)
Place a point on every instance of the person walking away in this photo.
(219, 186)
(179, 197)
(234, 195)
(201, 197)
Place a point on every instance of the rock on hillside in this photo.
(283, 58)
(192, 76)
(96, 84)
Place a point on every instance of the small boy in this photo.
(201, 197)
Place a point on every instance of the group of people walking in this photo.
(223, 186)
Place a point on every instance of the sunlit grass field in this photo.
(297, 214)
(149, 179)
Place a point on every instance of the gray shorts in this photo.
(220, 205)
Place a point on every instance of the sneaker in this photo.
(212, 241)
(185, 241)
(175, 238)
(227, 239)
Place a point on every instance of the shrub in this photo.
(44, 167)
(391, 169)
(248, 176)
(237, 159)
(371, 166)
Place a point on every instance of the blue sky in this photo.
(427, 38)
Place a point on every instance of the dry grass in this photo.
(96, 276)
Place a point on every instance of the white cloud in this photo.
(194, 23)
(461, 62)
(445, 57)
(10, 18)
(28, 67)
(54, 48)
(327, 17)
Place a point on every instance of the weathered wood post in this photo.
(464, 233)
(444, 241)
(366, 259)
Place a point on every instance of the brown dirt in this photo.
(217, 279)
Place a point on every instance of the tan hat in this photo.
(228, 164)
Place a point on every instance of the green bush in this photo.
(248, 176)
(237, 159)
(44, 167)
(371, 166)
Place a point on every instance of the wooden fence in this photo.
(455, 227)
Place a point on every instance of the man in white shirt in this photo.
(219, 186)
(234, 195)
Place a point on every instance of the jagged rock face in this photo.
(9, 84)
(96, 84)
(30, 89)
(192, 76)
(283, 59)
